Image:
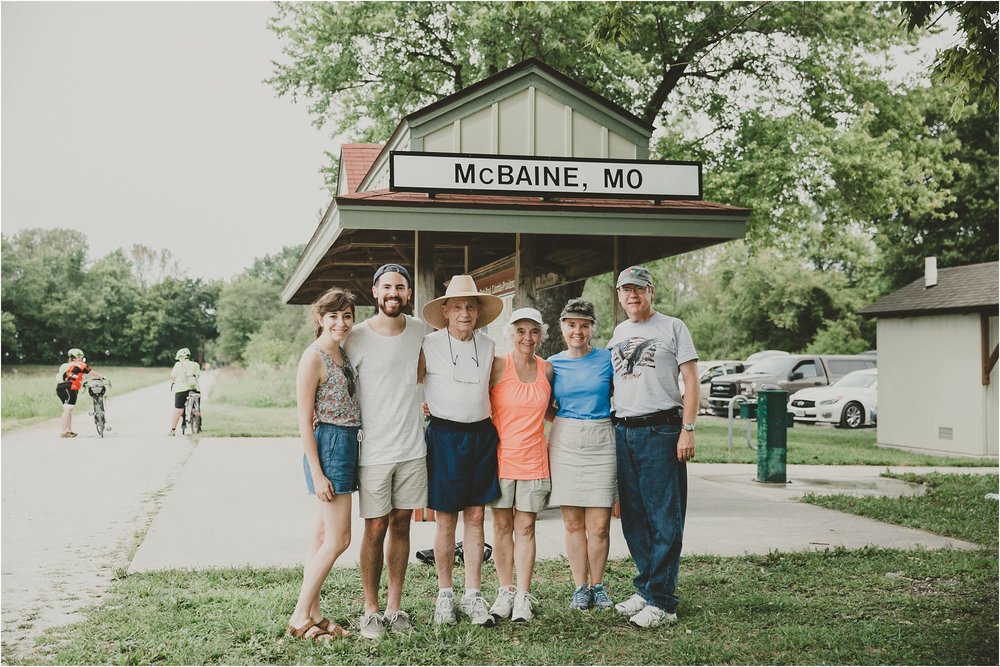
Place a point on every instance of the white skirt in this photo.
(582, 463)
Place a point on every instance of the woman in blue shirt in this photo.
(582, 452)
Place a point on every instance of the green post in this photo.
(772, 436)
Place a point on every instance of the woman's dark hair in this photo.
(331, 301)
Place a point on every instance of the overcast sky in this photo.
(150, 123)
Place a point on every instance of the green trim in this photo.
(400, 218)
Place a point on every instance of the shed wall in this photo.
(930, 386)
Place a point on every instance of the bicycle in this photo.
(192, 413)
(98, 389)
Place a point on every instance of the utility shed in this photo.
(515, 241)
(937, 359)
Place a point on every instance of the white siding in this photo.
(929, 382)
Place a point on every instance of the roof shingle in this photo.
(356, 160)
(971, 288)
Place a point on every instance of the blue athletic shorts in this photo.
(461, 465)
(338, 456)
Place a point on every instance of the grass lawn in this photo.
(29, 392)
(868, 606)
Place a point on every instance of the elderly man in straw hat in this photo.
(455, 366)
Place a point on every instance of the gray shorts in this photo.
(388, 486)
(524, 495)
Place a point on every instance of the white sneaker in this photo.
(444, 610)
(372, 625)
(650, 616)
(523, 602)
(504, 603)
(631, 606)
(475, 608)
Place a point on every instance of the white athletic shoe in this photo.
(650, 616)
(474, 606)
(631, 606)
(523, 603)
(444, 610)
(504, 603)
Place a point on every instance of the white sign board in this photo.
(543, 176)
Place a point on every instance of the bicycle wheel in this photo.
(99, 416)
(196, 416)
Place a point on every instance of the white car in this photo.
(850, 402)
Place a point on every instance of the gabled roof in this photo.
(355, 161)
(961, 289)
(529, 64)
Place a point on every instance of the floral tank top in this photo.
(335, 403)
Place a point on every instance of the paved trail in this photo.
(75, 509)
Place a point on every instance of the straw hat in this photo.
(490, 306)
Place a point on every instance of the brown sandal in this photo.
(333, 629)
(303, 632)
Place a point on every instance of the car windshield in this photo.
(856, 380)
(773, 366)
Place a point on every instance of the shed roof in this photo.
(972, 288)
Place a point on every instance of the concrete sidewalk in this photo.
(242, 501)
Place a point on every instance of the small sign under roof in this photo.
(466, 173)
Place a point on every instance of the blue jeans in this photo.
(652, 488)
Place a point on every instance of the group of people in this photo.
(621, 431)
(72, 375)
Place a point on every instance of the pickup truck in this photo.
(790, 373)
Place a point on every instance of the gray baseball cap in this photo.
(635, 275)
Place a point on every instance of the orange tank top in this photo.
(518, 410)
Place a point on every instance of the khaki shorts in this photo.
(524, 495)
(388, 486)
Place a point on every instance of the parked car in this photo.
(762, 355)
(791, 373)
(850, 402)
(709, 370)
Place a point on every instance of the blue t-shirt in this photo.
(582, 386)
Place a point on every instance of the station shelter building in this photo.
(526, 180)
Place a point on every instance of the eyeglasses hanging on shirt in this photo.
(465, 365)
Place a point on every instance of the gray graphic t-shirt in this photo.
(645, 356)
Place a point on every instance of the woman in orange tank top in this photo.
(520, 393)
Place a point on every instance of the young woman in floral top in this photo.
(326, 387)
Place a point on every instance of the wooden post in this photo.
(616, 268)
(524, 271)
(423, 281)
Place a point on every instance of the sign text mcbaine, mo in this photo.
(543, 176)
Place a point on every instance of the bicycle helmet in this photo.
(75, 352)
(182, 353)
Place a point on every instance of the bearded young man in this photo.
(392, 468)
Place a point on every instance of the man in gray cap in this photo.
(392, 472)
(654, 437)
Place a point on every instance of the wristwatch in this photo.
(689, 427)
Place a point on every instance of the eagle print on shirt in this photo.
(629, 356)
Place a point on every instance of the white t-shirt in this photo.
(457, 380)
(645, 356)
(388, 392)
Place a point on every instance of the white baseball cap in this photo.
(526, 314)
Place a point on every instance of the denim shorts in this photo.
(337, 447)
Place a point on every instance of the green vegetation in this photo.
(871, 606)
(954, 505)
(29, 392)
(258, 401)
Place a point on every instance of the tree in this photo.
(968, 68)
(42, 274)
(172, 314)
(363, 66)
